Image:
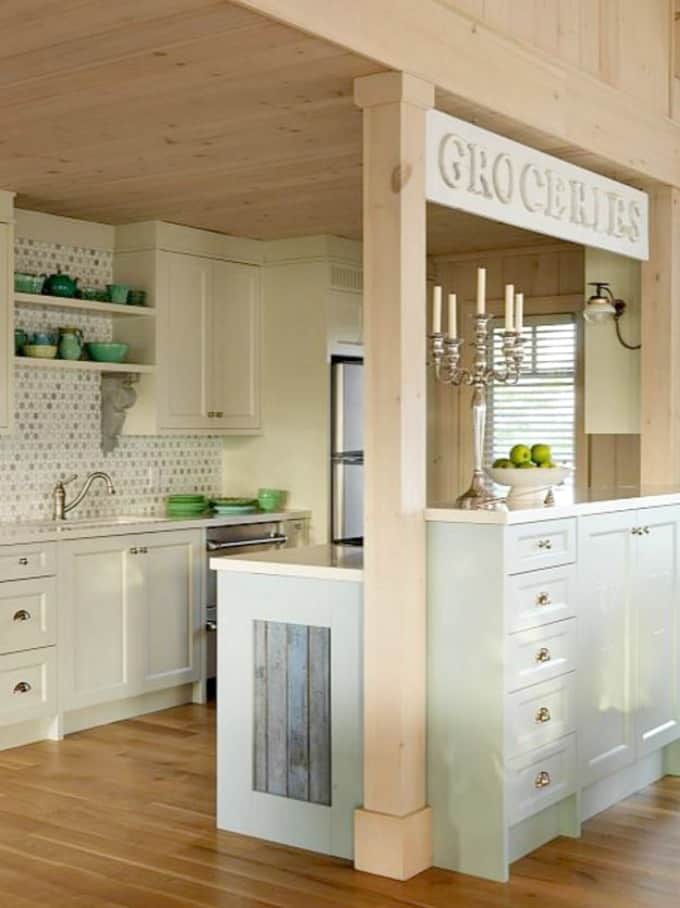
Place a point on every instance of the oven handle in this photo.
(211, 626)
(245, 543)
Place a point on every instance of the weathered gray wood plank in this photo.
(320, 715)
(277, 709)
(298, 713)
(260, 706)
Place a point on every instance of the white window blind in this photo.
(541, 407)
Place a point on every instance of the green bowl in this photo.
(28, 283)
(107, 352)
(270, 499)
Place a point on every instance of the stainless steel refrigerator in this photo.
(347, 450)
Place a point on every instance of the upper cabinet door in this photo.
(235, 338)
(185, 286)
(657, 618)
(605, 625)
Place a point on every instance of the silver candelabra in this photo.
(445, 359)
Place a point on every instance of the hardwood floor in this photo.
(123, 816)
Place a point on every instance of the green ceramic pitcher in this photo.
(70, 343)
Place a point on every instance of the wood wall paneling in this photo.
(291, 718)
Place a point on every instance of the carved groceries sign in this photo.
(478, 171)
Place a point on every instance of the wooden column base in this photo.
(396, 847)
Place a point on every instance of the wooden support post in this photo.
(393, 829)
(660, 364)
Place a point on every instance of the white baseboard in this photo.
(623, 784)
(118, 710)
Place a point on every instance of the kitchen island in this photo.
(553, 668)
(289, 763)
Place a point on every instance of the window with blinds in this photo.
(541, 407)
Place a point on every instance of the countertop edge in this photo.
(18, 534)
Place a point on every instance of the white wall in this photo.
(612, 373)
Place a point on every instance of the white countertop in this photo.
(567, 504)
(52, 531)
(324, 562)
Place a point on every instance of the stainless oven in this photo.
(241, 540)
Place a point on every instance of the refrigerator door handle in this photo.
(338, 498)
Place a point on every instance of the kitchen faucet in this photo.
(61, 509)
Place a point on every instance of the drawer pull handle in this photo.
(23, 562)
(23, 687)
(543, 715)
(543, 599)
(134, 551)
(543, 655)
(545, 543)
(143, 550)
(219, 414)
(22, 615)
(211, 414)
(542, 780)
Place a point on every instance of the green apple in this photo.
(503, 464)
(547, 465)
(541, 454)
(527, 465)
(520, 454)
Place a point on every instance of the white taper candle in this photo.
(453, 316)
(509, 307)
(481, 291)
(519, 311)
(437, 310)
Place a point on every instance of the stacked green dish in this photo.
(185, 505)
(228, 507)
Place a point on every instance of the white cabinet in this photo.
(655, 593)
(607, 739)
(206, 337)
(98, 632)
(129, 615)
(629, 619)
(168, 599)
(184, 302)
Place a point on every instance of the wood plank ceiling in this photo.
(198, 112)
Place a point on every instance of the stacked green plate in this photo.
(185, 505)
(227, 507)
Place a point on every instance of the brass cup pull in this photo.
(545, 543)
(219, 414)
(134, 551)
(22, 615)
(542, 780)
(211, 414)
(23, 562)
(143, 550)
(543, 715)
(543, 599)
(543, 655)
(23, 687)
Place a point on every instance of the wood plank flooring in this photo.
(123, 816)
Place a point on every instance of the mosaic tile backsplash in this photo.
(57, 421)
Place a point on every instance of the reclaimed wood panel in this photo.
(319, 715)
(277, 709)
(291, 711)
(298, 712)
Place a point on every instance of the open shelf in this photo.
(115, 310)
(87, 365)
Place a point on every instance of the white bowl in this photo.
(528, 487)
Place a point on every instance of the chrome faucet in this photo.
(61, 509)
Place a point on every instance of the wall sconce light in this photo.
(603, 305)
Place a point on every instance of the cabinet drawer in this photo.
(17, 562)
(27, 685)
(540, 654)
(541, 778)
(539, 715)
(540, 545)
(27, 614)
(540, 597)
